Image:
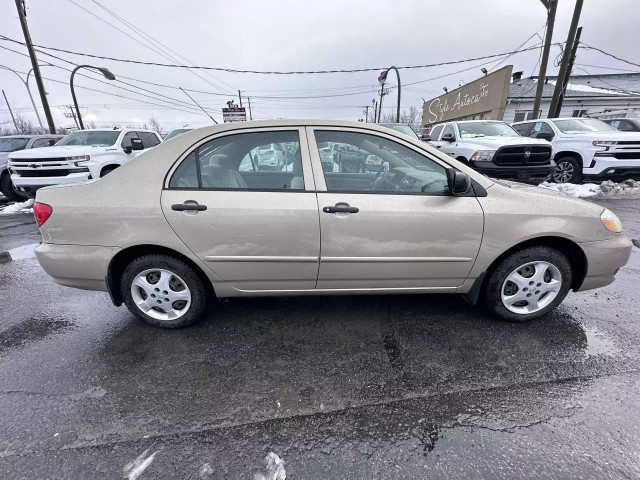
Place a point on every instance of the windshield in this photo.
(12, 144)
(582, 125)
(406, 129)
(91, 138)
(486, 129)
(175, 133)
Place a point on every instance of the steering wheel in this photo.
(381, 174)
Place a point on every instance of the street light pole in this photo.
(26, 84)
(104, 71)
(383, 78)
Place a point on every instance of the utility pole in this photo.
(250, 116)
(382, 94)
(574, 50)
(551, 6)
(240, 98)
(72, 114)
(22, 9)
(366, 114)
(206, 113)
(566, 56)
(375, 110)
(10, 111)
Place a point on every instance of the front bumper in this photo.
(604, 259)
(528, 173)
(612, 169)
(77, 266)
(37, 182)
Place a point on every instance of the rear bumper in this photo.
(78, 266)
(604, 259)
(536, 173)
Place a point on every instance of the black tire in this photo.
(199, 293)
(493, 285)
(107, 170)
(8, 190)
(564, 163)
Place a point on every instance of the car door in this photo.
(449, 147)
(397, 228)
(256, 229)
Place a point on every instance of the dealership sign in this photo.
(234, 114)
(487, 95)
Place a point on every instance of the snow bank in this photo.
(607, 189)
(22, 207)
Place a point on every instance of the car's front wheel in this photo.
(568, 170)
(163, 291)
(528, 284)
(9, 190)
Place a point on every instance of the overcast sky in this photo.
(289, 35)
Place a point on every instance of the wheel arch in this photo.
(577, 260)
(461, 158)
(124, 257)
(568, 153)
(109, 166)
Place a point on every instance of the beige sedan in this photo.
(199, 217)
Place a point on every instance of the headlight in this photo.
(601, 143)
(483, 155)
(610, 221)
(80, 157)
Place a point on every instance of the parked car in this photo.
(585, 148)
(624, 124)
(402, 128)
(14, 143)
(495, 149)
(80, 156)
(176, 132)
(177, 228)
(349, 158)
(271, 157)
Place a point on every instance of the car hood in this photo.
(59, 151)
(496, 142)
(547, 193)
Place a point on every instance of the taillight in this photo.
(42, 212)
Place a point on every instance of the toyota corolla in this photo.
(196, 219)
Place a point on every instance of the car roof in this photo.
(39, 135)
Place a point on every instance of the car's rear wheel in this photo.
(163, 291)
(568, 170)
(9, 190)
(528, 284)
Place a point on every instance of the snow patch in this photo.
(274, 469)
(607, 189)
(21, 207)
(205, 471)
(135, 468)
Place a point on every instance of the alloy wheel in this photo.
(531, 287)
(563, 172)
(161, 294)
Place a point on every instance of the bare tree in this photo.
(411, 117)
(90, 124)
(156, 126)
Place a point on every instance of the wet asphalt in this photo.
(337, 387)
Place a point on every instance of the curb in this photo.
(5, 257)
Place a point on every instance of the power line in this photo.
(589, 47)
(274, 72)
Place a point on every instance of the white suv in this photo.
(586, 148)
(80, 156)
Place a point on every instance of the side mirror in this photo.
(545, 136)
(459, 183)
(52, 142)
(449, 137)
(136, 144)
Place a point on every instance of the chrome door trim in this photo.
(394, 259)
(260, 258)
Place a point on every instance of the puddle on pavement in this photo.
(599, 343)
(26, 251)
(36, 328)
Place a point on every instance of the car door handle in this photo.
(181, 207)
(340, 209)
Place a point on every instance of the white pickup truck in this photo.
(585, 148)
(494, 148)
(80, 156)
